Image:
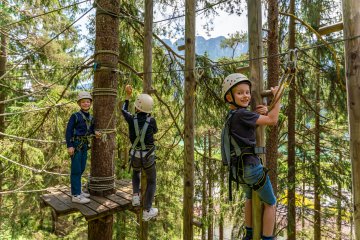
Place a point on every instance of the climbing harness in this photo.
(144, 151)
(83, 140)
(234, 159)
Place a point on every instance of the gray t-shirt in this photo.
(242, 128)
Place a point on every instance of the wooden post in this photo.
(104, 95)
(256, 76)
(147, 82)
(331, 28)
(351, 18)
(189, 126)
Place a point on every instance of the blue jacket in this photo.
(77, 127)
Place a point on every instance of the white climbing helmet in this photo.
(231, 81)
(84, 95)
(144, 102)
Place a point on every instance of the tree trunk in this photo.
(100, 228)
(3, 59)
(189, 126)
(256, 76)
(204, 194)
(148, 28)
(303, 197)
(210, 187)
(338, 206)
(222, 199)
(104, 95)
(351, 19)
(272, 140)
(317, 207)
(291, 113)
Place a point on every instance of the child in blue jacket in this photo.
(78, 132)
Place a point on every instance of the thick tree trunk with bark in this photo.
(104, 95)
(148, 31)
(256, 76)
(100, 228)
(291, 114)
(273, 80)
(189, 114)
(351, 18)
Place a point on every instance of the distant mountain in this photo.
(211, 46)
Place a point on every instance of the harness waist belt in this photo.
(250, 150)
(138, 153)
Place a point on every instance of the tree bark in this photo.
(291, 114)
(317, 207)
(339, 210)
(100, 228)
(3, 59)
(210, 188)
(204, 194)
(148, 29)
(256, 76)
(189, 126)
(222, 199)
(104, 95)
(272, 140)
(351, 18)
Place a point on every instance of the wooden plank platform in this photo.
(59, 199)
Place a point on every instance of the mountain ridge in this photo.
(211, 46)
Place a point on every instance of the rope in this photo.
(45, 44)
(104, 92)
(42, 14)
(290, 71)
(106, 52)
(32, 168)
(35, 110)
(95, 183)
(199, 10)
(30, 139)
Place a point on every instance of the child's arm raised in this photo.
(272, 116)
(128, 91)
(125, 108)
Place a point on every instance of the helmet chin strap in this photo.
(233, 100)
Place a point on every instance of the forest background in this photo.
(45, 61)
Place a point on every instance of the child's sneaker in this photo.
(147, 215)
(79, 199)
(84, 194)
(136, 200)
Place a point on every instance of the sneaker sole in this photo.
(148, 219)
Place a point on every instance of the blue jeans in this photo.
(78, 164)
(252, 173)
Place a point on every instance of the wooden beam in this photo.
(331, 28)
(189, 120)
(181, 48)
(243, 70)
(351, 20)
(256, 76)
